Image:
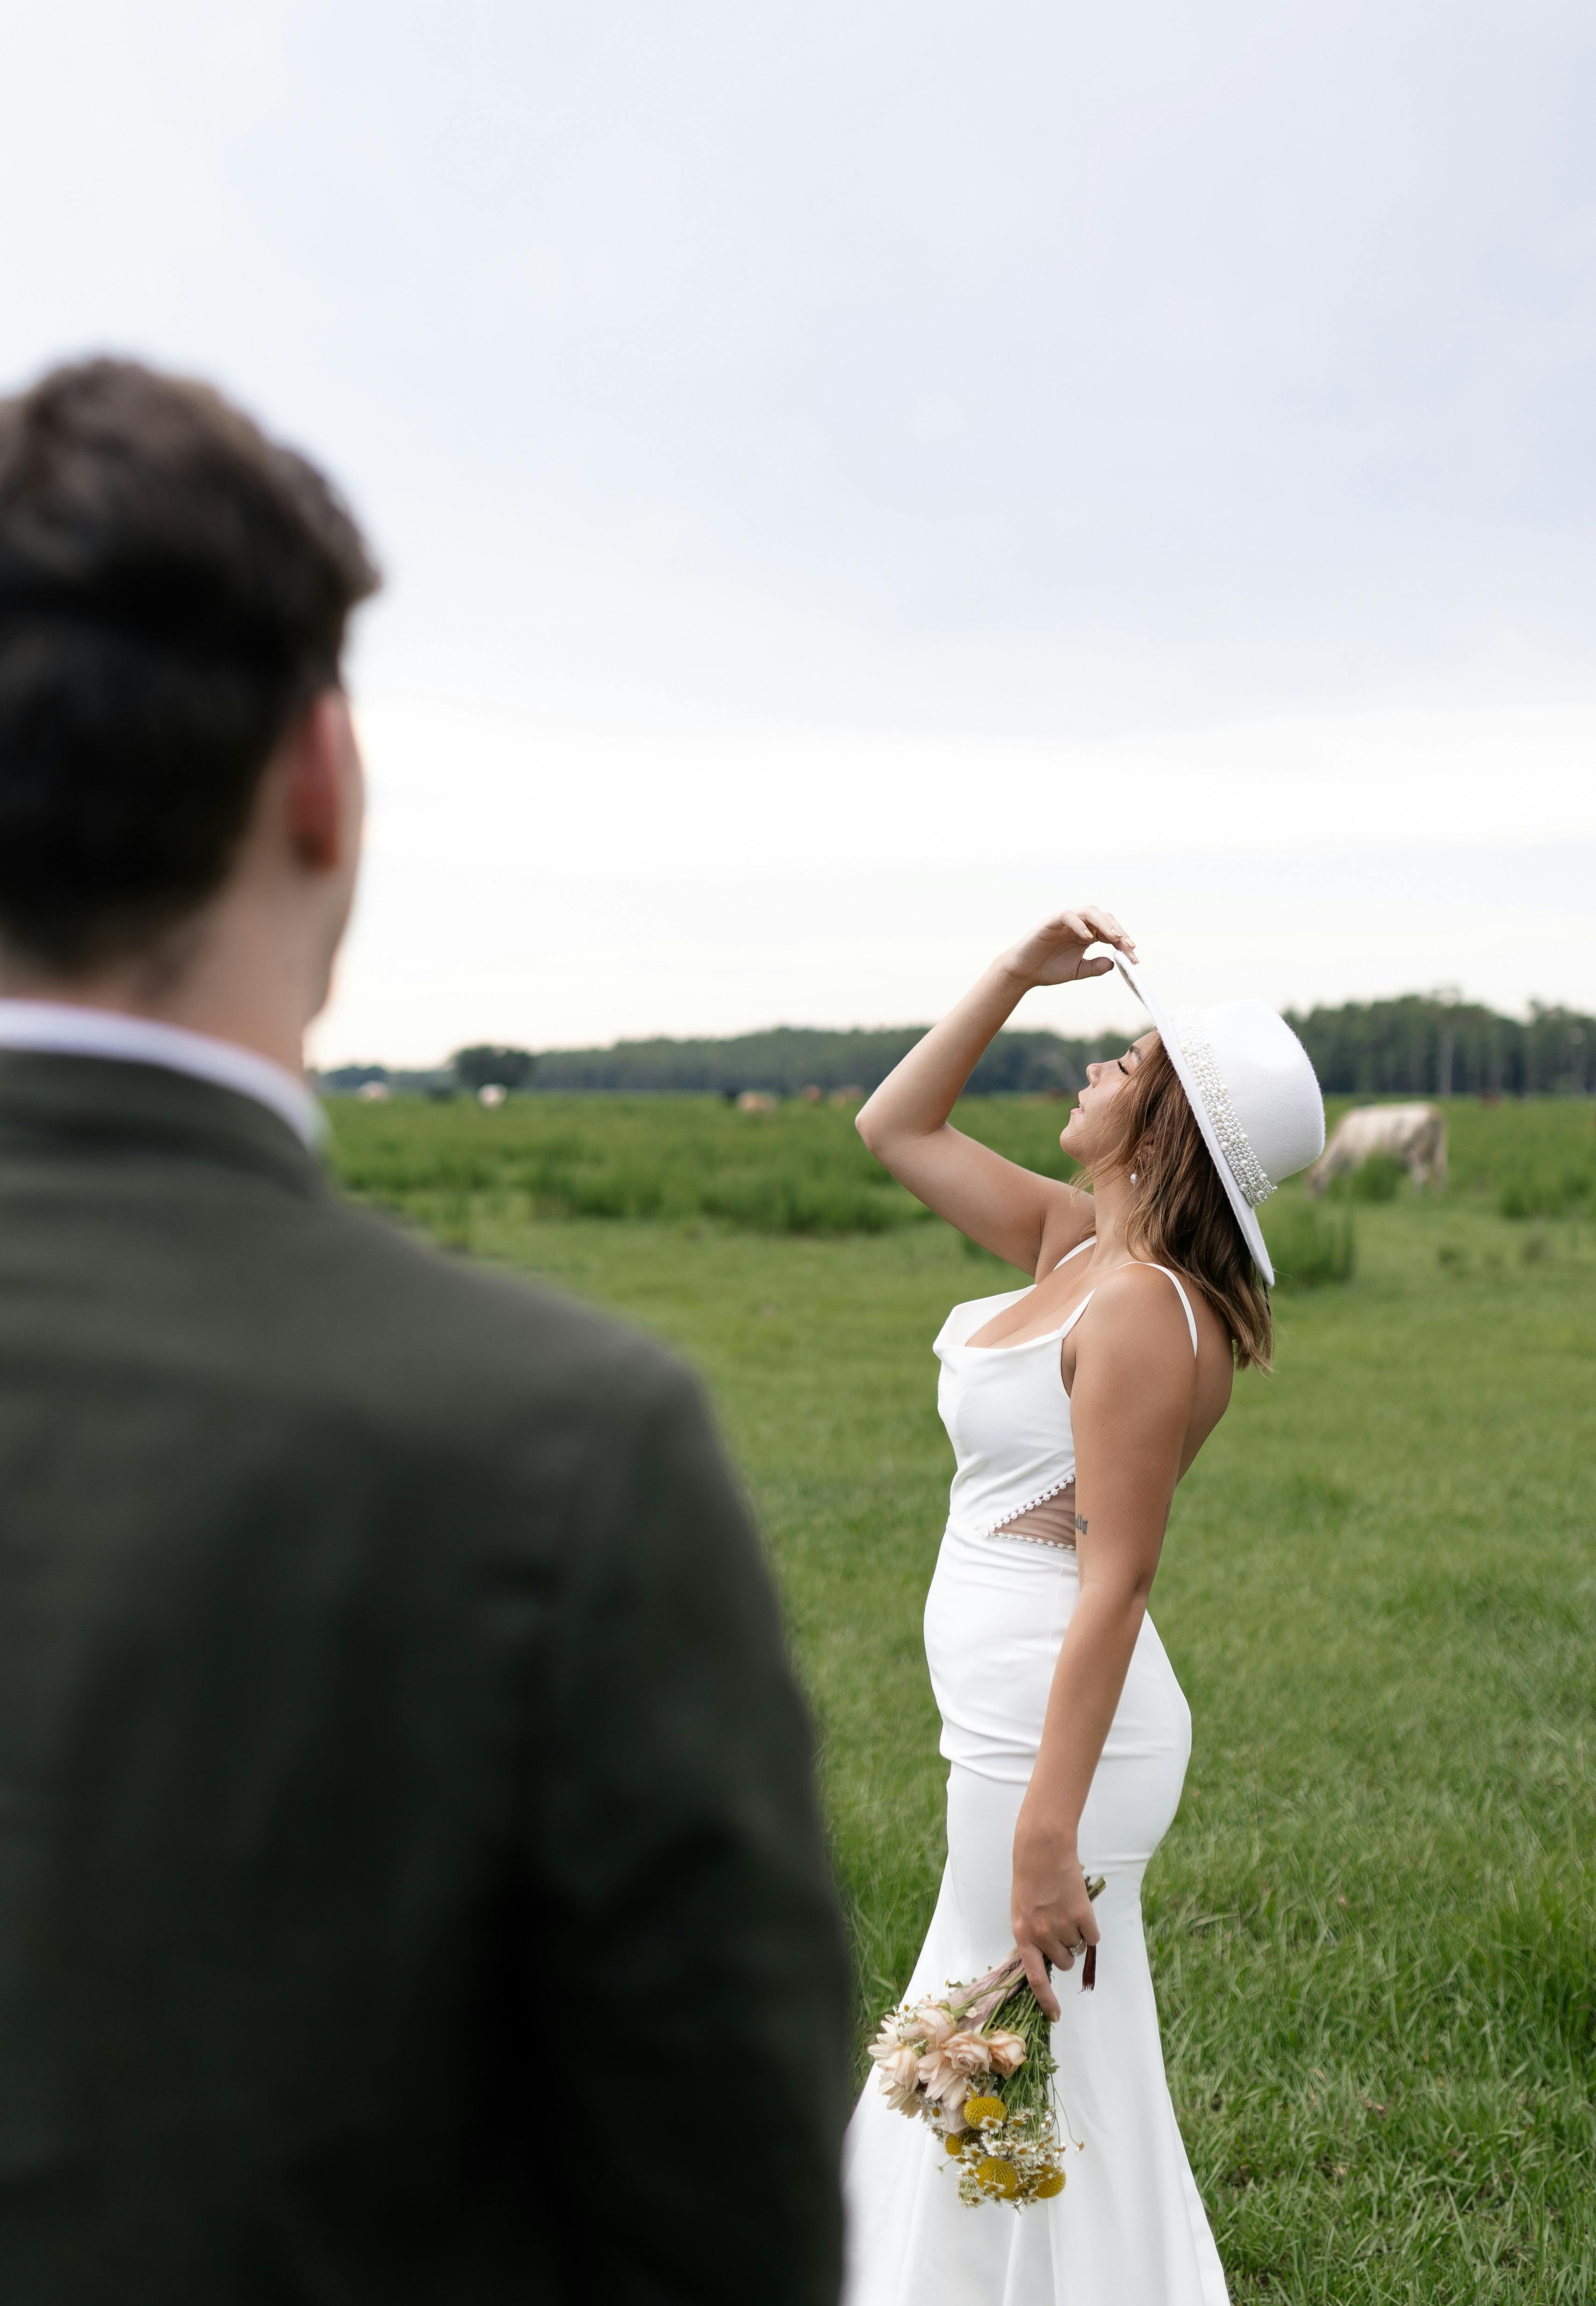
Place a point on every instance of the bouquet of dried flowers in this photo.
(976, 2066)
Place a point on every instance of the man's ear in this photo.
(320, 764)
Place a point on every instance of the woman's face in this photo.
(1091, 1127)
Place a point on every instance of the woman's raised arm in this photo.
(1009, 1209)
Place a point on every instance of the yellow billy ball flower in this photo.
(982, 2109)
(956, 2140)
(998, 2176)
(1053, 2183)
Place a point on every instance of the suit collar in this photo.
(53, 1102)
(69, 1030)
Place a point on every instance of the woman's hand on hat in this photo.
(1056, 953)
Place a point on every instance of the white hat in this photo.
(1249, 1081)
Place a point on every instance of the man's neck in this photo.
(261, 1036)
(229, 980)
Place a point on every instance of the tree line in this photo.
(1418, 1046)
(1427, 1046)
(788, 1059)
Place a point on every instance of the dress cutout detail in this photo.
(1128, 2228)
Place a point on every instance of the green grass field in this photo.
(802, 1170)
(1374, 1922)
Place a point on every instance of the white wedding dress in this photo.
(1128, 2228)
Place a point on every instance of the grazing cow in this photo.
(756, 1100)
(492, 1094)
(1412, 1134)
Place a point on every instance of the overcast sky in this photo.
(852, 476)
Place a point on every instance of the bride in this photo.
(1074, 1407)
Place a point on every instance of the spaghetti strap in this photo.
(1076, 1315)
(1181, 1290)
(1068, 1254)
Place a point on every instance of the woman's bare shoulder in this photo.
(1141, 1323)
(1136, 1286)
(1140, 1299)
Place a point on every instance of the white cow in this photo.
(1413, 1134)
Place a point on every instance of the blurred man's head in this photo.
(179, 773)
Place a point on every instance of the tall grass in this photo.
(799, 1170)
(803, 1169)
(1381, 1178)
(1308, 1246)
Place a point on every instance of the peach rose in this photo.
(935, 2022)
(901, 2080)
(944, 2084)
(967, 2052)
(1007, 2052)
(902, 2070)
(889, 2041)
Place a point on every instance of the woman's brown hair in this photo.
(1180, 1214)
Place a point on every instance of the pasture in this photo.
(1373, 1925)
(802, 1170)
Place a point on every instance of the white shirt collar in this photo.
(63, 1029)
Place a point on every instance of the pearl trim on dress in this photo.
(1245, 1166)
(1029, 1537)
(1017, 1513)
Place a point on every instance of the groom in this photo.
(410, 1882)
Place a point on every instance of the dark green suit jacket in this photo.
(411, 1888)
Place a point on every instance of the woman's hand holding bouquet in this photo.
(1052, 1912)
(976, 2066)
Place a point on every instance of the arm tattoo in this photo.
(1081, 1523)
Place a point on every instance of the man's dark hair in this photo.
(174, 590)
